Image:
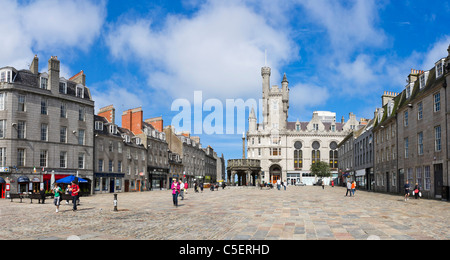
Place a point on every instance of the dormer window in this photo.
(440, 68)
(62, 87)
(7, 75)
(113, 129)
(44, 83)
(80, 91)
(390, 108)
(126, 138)
(99, 125)
(423, 79)
(409, 89)
(380, 115)
(138, 141)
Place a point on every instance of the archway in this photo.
(275, 173)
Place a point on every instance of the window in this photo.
(119, 147)
(100, 165)
(63, 159)
(113, 129)
(406, 147)
(2, 101)
(80, 136)
(2, 157)
(423, 79)
(63, 87)
(99, 125)
(44, 83)
(81, 114)
(43, 106)
(437, 140)
(44, 132)
(275, 151)
(298, 159)
(315, 155)
(81, 160)
(427, 178)
(21, 105)
(80, 91)
(437, 102)
(111, 166)
(43, 158)
(420, 143)
(405, 122)
(419, 176)
(63, 135)
(409, 175)
(111, 146)
(333, 159)
(440, 68)
(420, 111)
(3, 76)
(63, 113)
(21, 129)
(2, 128)
(20, 157)
(316, 127)
(119, 166)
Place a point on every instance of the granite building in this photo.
(46, 126)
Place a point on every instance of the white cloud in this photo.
(218, 50)
(306, 96)
(437, 51)
(47, 26)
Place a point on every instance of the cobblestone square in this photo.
(299, 213)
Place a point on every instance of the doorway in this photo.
(127, 186)
(438, 180)
(275, 173)
(2, 190)
(111, 185)
(388, 184)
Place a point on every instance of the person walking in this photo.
(323, 184)
(181, 189)
(417, 191)
(407, 188)
(349, 189)
(68, 192)
(284, 184)
(175, 188)
(353, 187)
(57, 201)
(196, 187)
(75, 189)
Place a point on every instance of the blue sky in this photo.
(338, 55)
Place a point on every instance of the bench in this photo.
(36, 196)
(15, 196)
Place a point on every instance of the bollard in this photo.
(115, 202)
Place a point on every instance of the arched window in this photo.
(315, 154)
(333, 155)
(298, 155)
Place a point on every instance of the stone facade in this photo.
(287, 149)
(46, 127)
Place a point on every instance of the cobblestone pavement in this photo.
(234, 213)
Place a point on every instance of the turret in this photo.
(252, 121)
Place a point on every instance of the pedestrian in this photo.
(57, 201)
(417, 191)
(332, 184)
(278, 184)
(407, 188)
(42, 193)
(349, 189)
(68, 192)
(75, 189)
(201, 187)
(353, 187)
(196, 187)
(323, 184)
(181, 189)
(285, 185)
(175, 188)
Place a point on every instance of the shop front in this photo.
(2, 188)
(158, 178)
(108, 182)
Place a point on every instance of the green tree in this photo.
(321, 169)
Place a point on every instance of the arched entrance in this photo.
(275, 173)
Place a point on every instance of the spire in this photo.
(285, 78)
(252, 113)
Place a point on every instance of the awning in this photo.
(35, 179)
(71, 178)
(23, 179)
(2, 180)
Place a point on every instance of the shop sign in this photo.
(5, 169)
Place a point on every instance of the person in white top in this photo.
(181, 189)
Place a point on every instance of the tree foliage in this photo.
(321, 169)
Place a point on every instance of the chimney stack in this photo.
(53, 74)
(34, 67)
